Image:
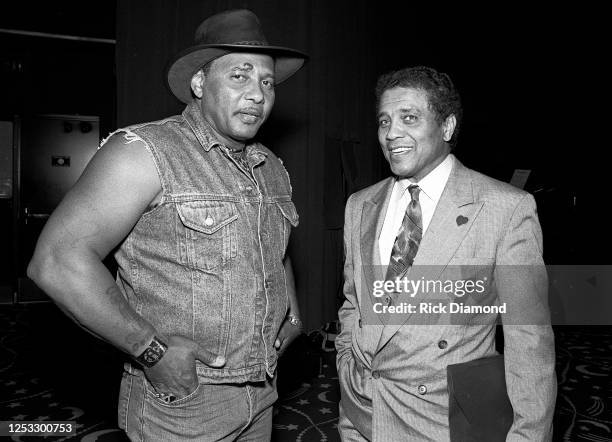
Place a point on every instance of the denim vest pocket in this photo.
(209, 231)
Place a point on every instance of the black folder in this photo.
(479, 407)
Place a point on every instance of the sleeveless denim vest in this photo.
(207, 262)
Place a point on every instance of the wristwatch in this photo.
(294, 320)
(153, 353)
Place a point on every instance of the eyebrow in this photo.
(410, 109)
(244, 67)
(402, 110)
(249, 67)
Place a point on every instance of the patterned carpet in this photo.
(584, 376)
(50, 370)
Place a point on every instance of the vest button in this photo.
(209, 221)
(388, 300)
(422, 389)
(375, 374)
(442, 344)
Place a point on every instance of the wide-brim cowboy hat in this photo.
(229, 31)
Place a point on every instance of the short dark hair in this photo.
(443, 98)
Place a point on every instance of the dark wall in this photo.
(53, 75)
(49, 73)
(525, 75)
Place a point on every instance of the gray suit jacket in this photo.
(393, 375)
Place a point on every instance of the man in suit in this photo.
(436, 220)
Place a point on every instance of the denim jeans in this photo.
(213, 412)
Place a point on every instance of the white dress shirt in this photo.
(432, 186)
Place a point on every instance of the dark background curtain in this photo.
(511, 66)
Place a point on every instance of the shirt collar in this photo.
(432, 185)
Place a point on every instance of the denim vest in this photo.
(207, 262)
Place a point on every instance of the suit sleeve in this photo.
(529, 352)
(348, 310)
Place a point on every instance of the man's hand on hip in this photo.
(175, 373)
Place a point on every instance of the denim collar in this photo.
(193, 116)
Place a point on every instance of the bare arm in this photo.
(288, 332)
(99, 211)
(117, 186)
(294, 308)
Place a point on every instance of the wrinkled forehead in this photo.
(401, 97)
(246, 61)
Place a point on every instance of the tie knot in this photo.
(414, 192)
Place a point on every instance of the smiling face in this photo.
(237, 95)
(412, 140)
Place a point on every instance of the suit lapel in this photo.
(452, 219)
(372, 219)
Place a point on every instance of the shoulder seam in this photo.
(130, 137)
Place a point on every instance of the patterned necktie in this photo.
(408, 238)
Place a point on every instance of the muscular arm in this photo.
(117, 186)
(529, 353)
(294, 308)
(288, 332)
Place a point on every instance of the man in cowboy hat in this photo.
(201, 214)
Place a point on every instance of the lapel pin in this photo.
(461, 220)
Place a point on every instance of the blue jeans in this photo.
(213, 412)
